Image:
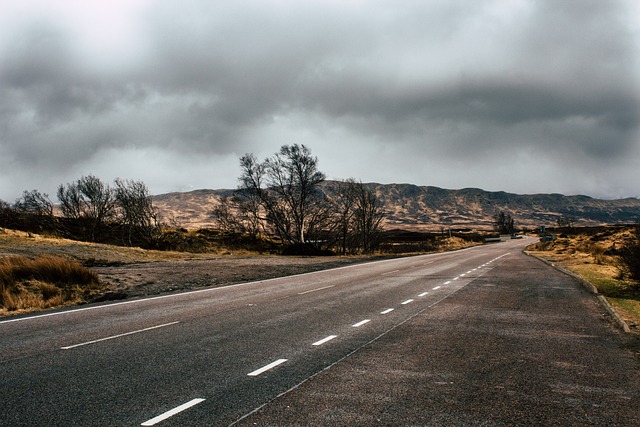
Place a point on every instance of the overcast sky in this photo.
(517, 95)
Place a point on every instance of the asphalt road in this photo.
(483, 336)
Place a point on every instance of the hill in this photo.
(413, 207)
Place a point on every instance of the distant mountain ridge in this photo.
(413, 207)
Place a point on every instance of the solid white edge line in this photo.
(162, 417)
(406, 302)
(117, 336)
(387, 311)
(324, 340)
(315, 290)
(360, 323)
(266, 368)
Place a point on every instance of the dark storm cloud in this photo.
(420, 78)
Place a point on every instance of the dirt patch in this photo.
(138, 279)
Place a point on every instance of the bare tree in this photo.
(136, 211)
(358, 215)
(88, 199)
(283, 191)
(98, 198)
(35, 210)
(344, 206)
(8, 215)
(504, 223)
(294, 177)
(70, 201)
(224, 216)
(34, 203)
(238, 216)
(368, 216)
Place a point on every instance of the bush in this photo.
(305, 249)
(630, 256)
(43, 282)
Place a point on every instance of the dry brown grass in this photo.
(31, 245)
(44, 282)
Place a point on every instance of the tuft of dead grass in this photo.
(44, 282)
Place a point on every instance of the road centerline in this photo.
(324, 340)
(68, 347)
(360, 323)
(266, 368)
(387, 311)
(172, 412)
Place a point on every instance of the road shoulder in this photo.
(523, 344)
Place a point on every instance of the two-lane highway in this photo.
(211, 357)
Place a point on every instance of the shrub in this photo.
(630, 256)
(43, 282)
(305, 249)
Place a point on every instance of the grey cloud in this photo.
(41, 73)
(437, 78)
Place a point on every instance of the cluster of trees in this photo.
(282, 197)
(91, 210)
(504, 223)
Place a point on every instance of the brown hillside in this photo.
(414, 207)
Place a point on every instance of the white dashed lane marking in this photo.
(266, 367)
(324, 340)
(176, 410)
(360, 323)
(387, 311)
